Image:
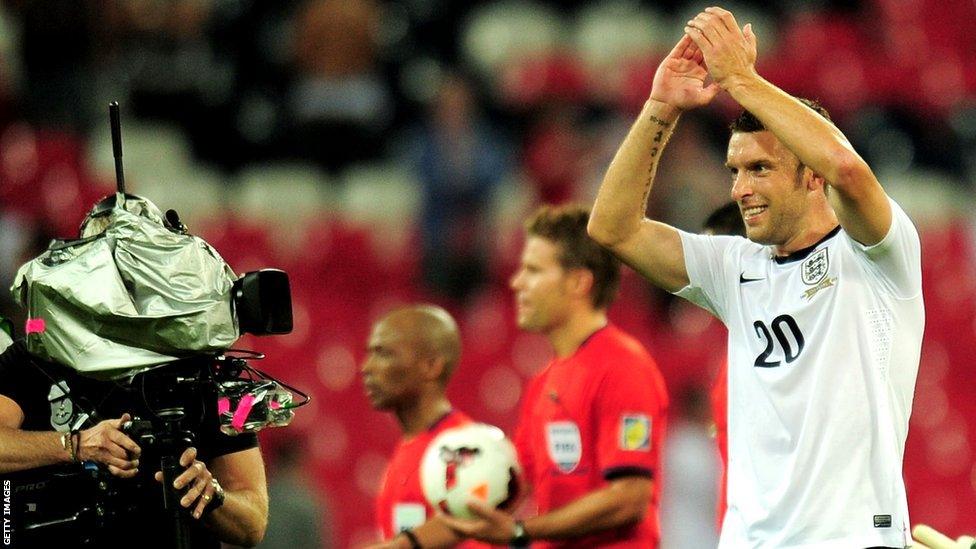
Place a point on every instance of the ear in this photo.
(813, 180)
(433, 367)
(580, 282)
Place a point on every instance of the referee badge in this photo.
(565, 444)
(635, 432)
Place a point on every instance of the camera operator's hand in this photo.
(107, 444)
(201, 486)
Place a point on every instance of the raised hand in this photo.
(728, 51)
(680, 78)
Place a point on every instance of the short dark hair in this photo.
(748, 123)
(566, 226)
(725, 220)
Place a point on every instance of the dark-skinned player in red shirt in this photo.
(411, 354)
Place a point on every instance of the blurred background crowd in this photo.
(384, 151)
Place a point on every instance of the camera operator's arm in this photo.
(243, 516)
(104, 443)
(21, 450)
(244, 513)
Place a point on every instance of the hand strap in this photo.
(217, 500)
(520, 538)
(412, 538)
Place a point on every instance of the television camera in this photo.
(140, 304)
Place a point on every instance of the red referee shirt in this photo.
(595, 416)
(401, 503)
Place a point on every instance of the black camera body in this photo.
(262, 300)
(81, 503)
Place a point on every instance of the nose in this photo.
(740, 188)
(515, 281)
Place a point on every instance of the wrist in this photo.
(664, 114)
(217, 500)
(739, 80)
(65, 441)
(71, 445)
(407, 540)
(520, 537)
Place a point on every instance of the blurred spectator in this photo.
(45, 179)
(459, 159)
(694, 179)
(58, 39)
(20, 241)
(557, 148)
(167, 62)
(340, 104)
(297, 517)
(555, 153)
(691, 470)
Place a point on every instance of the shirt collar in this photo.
(801, 254)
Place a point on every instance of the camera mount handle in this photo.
(172, 443)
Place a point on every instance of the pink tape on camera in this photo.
(35, 326)
(242, 411)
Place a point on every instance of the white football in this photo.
(470, 462)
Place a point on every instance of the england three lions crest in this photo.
(814, 268)
(814, 271)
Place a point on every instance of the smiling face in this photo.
(541, 286)
(769, 184)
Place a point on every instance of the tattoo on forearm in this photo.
(658, 121)
(659, 140)
(653, 154)
(647, 190)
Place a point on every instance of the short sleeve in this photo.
(13, 361)
(628, 415)
(214, 443)
(898, 257)
(707, 263)
(225, 444)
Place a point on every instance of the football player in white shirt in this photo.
(822, 301)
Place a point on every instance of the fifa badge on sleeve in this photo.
(635, 432)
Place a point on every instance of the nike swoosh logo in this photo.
(743, 279)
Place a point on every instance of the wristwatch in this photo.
(217, 498)
(519, 537)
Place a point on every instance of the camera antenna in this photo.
(113, 114)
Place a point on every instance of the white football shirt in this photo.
(823, 353)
